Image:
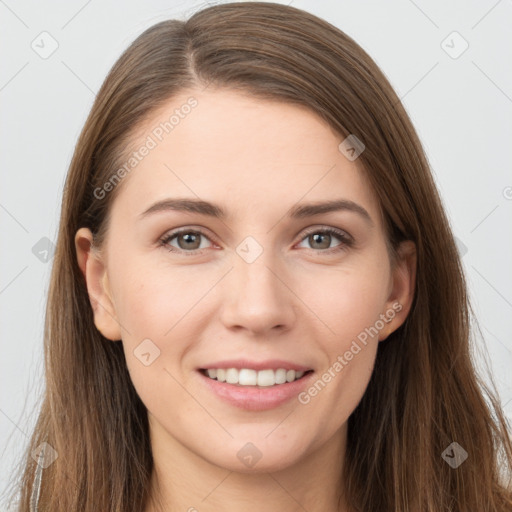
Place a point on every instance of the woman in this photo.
(256, 300)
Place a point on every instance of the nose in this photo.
(257, 298)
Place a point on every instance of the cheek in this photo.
(153, 312)
(152, 300)
(347, 300)
(350, 348)
(166, 306)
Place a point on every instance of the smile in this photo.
(246, 388)
(250, 377)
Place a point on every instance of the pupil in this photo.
(190, 237)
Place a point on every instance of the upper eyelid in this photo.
(169, 235)
(314, 229)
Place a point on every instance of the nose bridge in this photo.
(257, 298)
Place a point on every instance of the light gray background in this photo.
(460, 106)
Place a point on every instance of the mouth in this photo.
(255, 385)
(248, 377)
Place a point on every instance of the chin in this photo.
(258, 455)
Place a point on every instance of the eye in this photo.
(321, 239)
(187, 241)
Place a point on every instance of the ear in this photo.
(93, 268)
(402, 286)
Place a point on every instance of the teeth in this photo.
(245, 377)
(248, 377)
(280, 376)
(231, 376)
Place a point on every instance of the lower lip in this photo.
(254, 398)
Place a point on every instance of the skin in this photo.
(256, 159)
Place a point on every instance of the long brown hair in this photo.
(425, 392)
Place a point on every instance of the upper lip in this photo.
(269, 364)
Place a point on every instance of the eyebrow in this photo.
(296, 212)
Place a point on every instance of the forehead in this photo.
(240, 151)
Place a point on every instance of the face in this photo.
(256, 282)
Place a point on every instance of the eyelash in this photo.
(345, 239)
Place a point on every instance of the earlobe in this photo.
(94, 271)
(402, 289)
